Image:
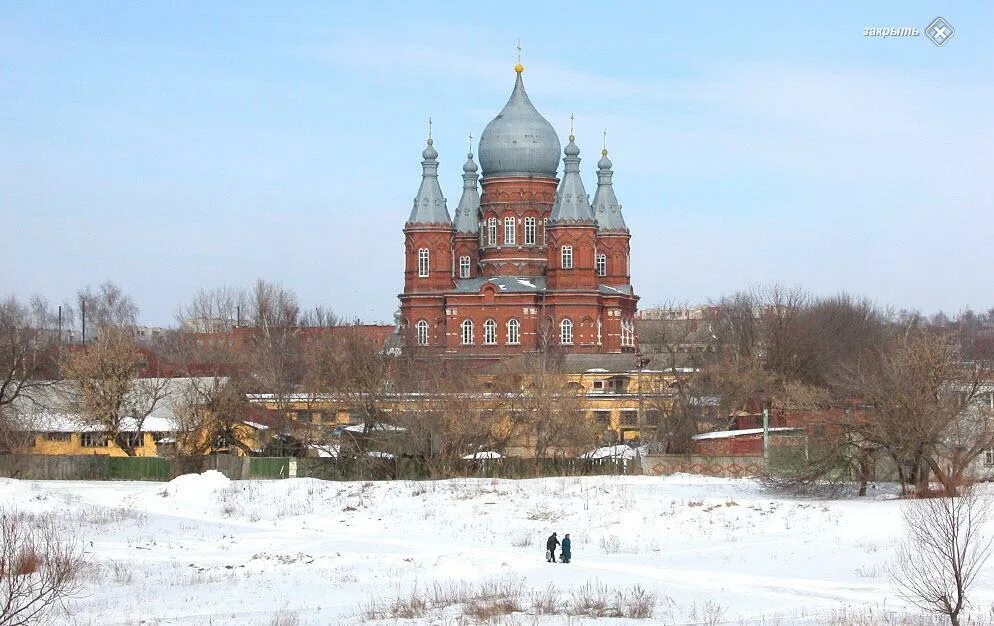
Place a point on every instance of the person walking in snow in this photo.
(550, 548)
(564, 555)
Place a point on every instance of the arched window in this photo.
(601, 264)
(423, 262)
(567, 254)
(566, 332)
(509, 231)
(492, 231)
(529, 231)
(628, 333)
(422, 330)
(464, 267)
(467, 332)
(489, 332)
(513, 332)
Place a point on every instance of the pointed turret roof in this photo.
(468, 212)
(429, 204)
(572, 203)
(605, 204)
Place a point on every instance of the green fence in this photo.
(269, 467)
(138, 468)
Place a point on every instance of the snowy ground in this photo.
(203, 550)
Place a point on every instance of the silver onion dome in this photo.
(519, 141)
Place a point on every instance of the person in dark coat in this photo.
(565, 555)
(550, 548)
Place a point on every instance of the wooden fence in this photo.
(102, 467)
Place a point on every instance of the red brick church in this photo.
(529, 264)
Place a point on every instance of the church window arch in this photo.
(466, 332)
(567, 257)
(529, 231)
(509, 234)
(492, 231)
(423, 263)
(422, 332)
(464, 265)
(601, 264)
(566, 332)
(513, 331)
(489, 332)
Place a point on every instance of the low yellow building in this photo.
(609, 390)
(49, 422)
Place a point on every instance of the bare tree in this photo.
(540, 406)
(270, 356)
(943, 552)
(106, 306)
(29, 343)
(927, 409)
(107, 388)
(39, 568)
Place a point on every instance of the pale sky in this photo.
(191, 145)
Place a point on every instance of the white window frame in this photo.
(627, 333)
(566, 332)
(424, 262)
(422, 332)
(492, 231)
(529, 231)
(510, 235)
(513, 332)
(464, 265)
(545, 231)
(466, 332)
(489, 332)
(601, 263)
(566, 257)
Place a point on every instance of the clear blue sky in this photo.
(198, 144)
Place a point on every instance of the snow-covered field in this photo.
(203, 550)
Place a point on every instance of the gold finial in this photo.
(429, 127)
(519, 67)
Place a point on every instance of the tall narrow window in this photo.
(489, 332)
(628, 333)
(464, 267)
(509, 231)
(567, 254)
(601, 264)
(492, 231)
(467, 332)
(566, 332)
(423, 262)
(599, 330)
(545, 230)
(513, 332)
(529, 231)
(422, 328)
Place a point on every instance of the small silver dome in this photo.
(519, 141)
